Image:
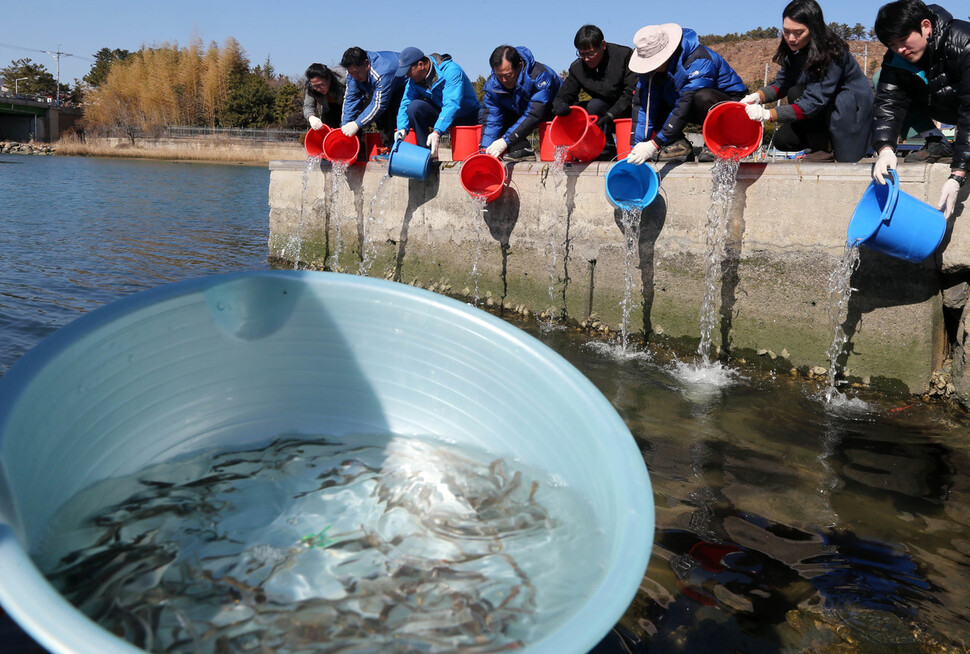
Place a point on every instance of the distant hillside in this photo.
(749, 57)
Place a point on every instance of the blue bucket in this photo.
(229, 360)
(629, 186)
(409, 160)
(893, 222)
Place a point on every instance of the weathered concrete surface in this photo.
(544, 245)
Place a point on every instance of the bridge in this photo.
(27, 117)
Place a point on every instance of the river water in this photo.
(784, 524)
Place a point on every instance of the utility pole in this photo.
(57, 56)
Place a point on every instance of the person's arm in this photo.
(491, 117)
(352, 97)
(402, 112)
(623, 105)
(891, 104)
(544, 89)
(700, 74)
(817, 96)
(568, 93)
(309, 105)
(452, 93)
(379, 103)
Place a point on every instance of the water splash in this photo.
(378, 208)
(294, 243)
(840, 291)
(338, 173)
(557, 239)
(631, 240)
(480, 225)
(725, 178)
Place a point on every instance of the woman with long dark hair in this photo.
(324, 97)
(829, 110)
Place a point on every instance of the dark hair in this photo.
(354, 57)
(324, 73)
(505, 53)
(588, 36)
(824, 45)
(899, 19)
(318, 70)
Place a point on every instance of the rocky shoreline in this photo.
(13, 147)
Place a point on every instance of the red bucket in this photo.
(623, 127)
(337, 146)
(483, 176)
(465, 140)
(547, 151)
(729, 133)
(578, 130)
(412, 138)
(313, 141)
(372, 145)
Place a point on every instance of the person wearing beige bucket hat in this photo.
(679, 81)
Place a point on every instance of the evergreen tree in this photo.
(38, 80)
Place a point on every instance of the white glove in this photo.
(641, 152)
(433, 139)
(315, 122)
(885, 162)
(948, 197)
(757, 112)
(350, 128)
(497, 147)
(400, 134)
(754, 98)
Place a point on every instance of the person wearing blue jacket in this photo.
(518, 95)
(437, 96)
(680, 80)
(374, 91)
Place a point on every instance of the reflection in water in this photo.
(783, 524)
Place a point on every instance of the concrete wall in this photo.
(560, 246)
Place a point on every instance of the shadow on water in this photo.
(419, 192)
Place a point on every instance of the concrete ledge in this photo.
(554, 242)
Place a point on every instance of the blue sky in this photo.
(295, 34)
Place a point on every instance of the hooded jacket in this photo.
(365, 102)
(842, 96)
(940, 81)
(524, 106)
(446, 87)
(692, 66)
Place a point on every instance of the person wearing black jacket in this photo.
(925, 74)
(601, 69)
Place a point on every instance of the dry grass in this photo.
(180, 150)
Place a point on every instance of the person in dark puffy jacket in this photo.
(680, 80)
(829, 109)
(518, 96)
(925, 76)
(602, 70)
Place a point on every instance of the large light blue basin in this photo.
(226, 359)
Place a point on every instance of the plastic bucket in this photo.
(339, 147)
(372, 145)
(313, 141)
(411, 137)
(409, 160)
(895, 223)
(547, 151)
(231, 360)
(578, 130)
(629, 186)
(483, 176)
(465, 140)
(729, 133)
(622, 127)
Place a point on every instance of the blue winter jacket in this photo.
(524, 106)
(446, 87)
(378, 89)
(692, 67)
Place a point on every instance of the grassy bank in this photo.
(180, 150)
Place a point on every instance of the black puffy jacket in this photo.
(940, 81)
